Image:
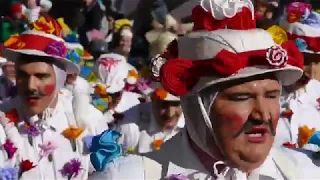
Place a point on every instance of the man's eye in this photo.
(238, 97)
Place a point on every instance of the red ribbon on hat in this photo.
(312, 42)
(179, 75)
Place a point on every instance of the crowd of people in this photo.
(230, 91)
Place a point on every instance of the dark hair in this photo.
(25, 59)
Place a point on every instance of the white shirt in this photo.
(305, 113)
(141, 134)
(28, 147)
(177, 157)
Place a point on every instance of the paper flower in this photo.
(47, 148)
(313, 20)
(100, 89)
(298, 11)
(178, 177)
(105, 149)
(47, 25)
(156, 65)
(71, 169)
(9, 173)
(277, 56)
(57, 48)
(161, 93)
(301, 44)
(278, 34)
(26, 165)
(14, 42)
(287, 114)
(73, 56)
(101, 104)
(157, 144)
(289, 145)
(92, 77)
(72, 38)
(30, 130)
(12, 116)
(9, 148)
(304, 134)
(72, 132)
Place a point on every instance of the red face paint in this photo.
(49, 89)
(236, 122)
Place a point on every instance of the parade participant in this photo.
(158, 121)
(112, 72)
(301, 103)
(122, 42)
(43, 139)
(229, 76)
(7, 79)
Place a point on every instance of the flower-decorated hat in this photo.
(43, 40)
(112, 72)
(303, 26)
(224, 45)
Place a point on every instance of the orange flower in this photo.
(72, 132)
(160, 93)
(101, 90)
(14, 42)
(133, 73)
(12, 116)
(157, 144)
(304, 135)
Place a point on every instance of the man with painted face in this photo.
(156, 122)
(39, 129)
(228, 75)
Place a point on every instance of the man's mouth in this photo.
(257, 134)
(33, 100)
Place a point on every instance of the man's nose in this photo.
(171, 111)
(32, 83)
(261, 110)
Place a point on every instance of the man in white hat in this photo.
(7, 79)
(112, 74)
(40, 133)
(228, 75)
(157, 122)
(300, 112)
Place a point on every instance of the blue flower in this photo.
(315, 138)
(85, 71)
(73, 56)
(71, 38)
(100, 103)
(9, 173)
(312, 20)
(301, 44)
(105, 149)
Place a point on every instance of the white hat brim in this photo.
(287, 76)
(13, 55)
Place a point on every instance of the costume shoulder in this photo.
(306, 165)
(130, 167)
(9, 104)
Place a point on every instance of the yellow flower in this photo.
(72, 132)
(101, 89)
(304, 134)
(64, 26)
(157, 144)
(279, 35)
(133, 74)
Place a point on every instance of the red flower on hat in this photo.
(277, 56)
(47, 25)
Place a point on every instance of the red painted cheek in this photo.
(49, 89)
(235, 121)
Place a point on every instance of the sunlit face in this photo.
(36, 82)
(125, 44)
(244, 118)
(167, 113)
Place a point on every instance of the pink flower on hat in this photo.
(277, 56)
(57, 48)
